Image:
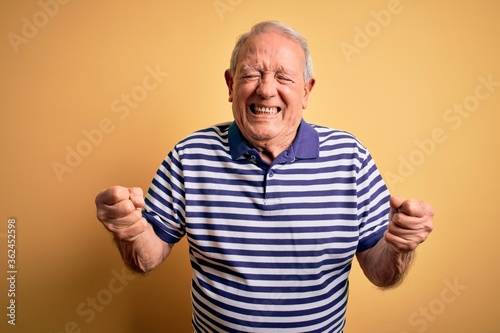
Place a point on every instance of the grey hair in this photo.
(279, 27)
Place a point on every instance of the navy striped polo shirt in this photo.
(271, 244)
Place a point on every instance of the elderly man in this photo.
(274, 208)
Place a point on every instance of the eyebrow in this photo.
(256, 68)
(247, 68)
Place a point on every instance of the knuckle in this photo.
(115, 191)
(137, 215)
(98, 199)
(100, 215)
(136, 191)
(413, 207)
(421, 239)
(398, 218)
(392, 228)
(128, 207)
(406, 204)
(103, 213)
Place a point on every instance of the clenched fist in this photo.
(119, 210)
(410, 222)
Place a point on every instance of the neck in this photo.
(269, 150)
(268, 156)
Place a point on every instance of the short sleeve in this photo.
(165, 200)
(372, 204)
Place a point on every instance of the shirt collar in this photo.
(304, 146)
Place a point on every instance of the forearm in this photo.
(145, 252)
(384, 265)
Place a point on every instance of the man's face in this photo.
(268, 91)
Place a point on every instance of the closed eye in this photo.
(284, 78)
(251, 77)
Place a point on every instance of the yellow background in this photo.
(398, 87)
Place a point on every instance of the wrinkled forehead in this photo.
(271, 50)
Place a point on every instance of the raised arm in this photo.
(410, 222)
(119, 210)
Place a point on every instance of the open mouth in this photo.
(260, 110)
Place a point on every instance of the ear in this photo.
(307, 90)
(229, 83)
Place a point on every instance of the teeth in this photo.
(262, 110)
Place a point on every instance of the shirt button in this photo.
(271, 174)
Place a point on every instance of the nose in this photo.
(267, 86)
